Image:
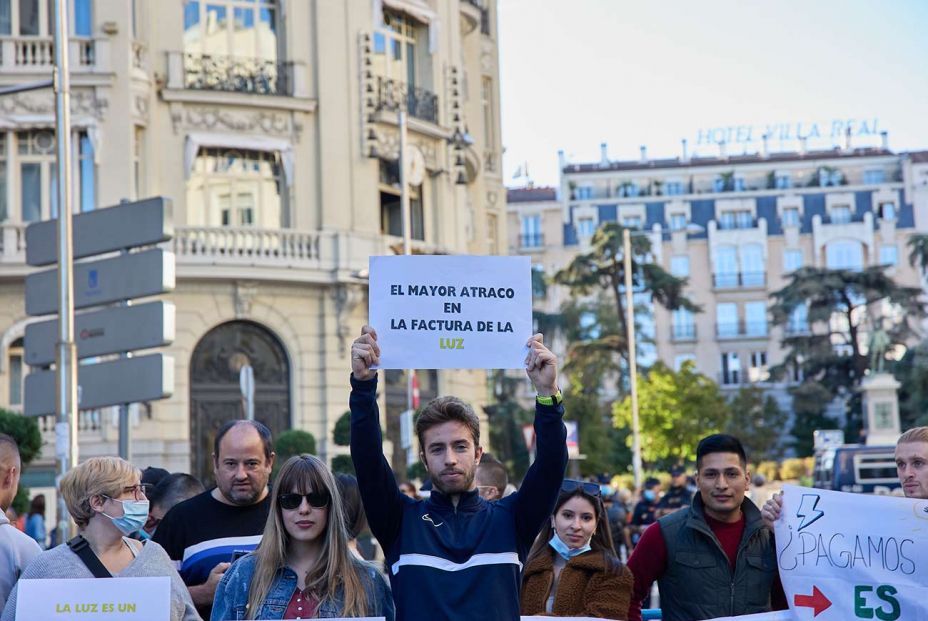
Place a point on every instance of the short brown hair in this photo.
(98, 476)
(443, 410)
(915, 434)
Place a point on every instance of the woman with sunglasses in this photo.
(303, 567)
(105, 498)
(572, 570)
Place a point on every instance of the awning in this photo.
(417, 9)
(195, 140)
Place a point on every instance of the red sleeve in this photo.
(647, 562)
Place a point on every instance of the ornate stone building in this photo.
(271, 124)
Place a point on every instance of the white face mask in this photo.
(133, 518)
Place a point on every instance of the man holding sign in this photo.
(455, 555)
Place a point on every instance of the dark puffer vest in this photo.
(699, 583)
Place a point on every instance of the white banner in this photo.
(779, 615)
(451, 312)
(94, 599)
(853, 556)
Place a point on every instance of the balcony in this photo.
(246, 246)
(683, 332)
(741, 329)
(738, 280)
(12, 243)
(734, 221)
(419, 103)
(24, 54)
(528, 241)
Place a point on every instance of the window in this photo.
(631, 222)
(731, 368)
(680, 265)
(844, 254)
(718, 184)
(229, 187)
(628, 189)
(798, 322)
(873, 177)
(792, 260)
(741, 219)
(584, 192)
(889, 255)
(586, 227)
(245, 29)
(790, 216)
(888, 211)
(726, 267)
(830, 177)
(16, 375)
(758, 371)
(539, 283)
(673, 188)
(391, 210)
(840, 214)
(726, 319)
(678, 222)
(530, 236)
(33, 158)
(755, 314)
(489, 119)
(682, 359)
(683, 326)
(753, 268)
(739, 184)
(783, 181)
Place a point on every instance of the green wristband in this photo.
(554, 399)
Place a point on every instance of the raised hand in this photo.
(541, 366)
(365, 353)
(772, 509)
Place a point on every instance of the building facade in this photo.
(272, 127)
(735, 227)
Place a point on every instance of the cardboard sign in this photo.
(451, 312)
(93, 599)
(853, 556)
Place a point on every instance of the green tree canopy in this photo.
(809, 402)
(341, 435)
(675, 410)
(25, 431)
(918, 252)
(506, 418)
(292, 442)
(758, 422)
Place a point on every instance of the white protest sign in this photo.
(94, 599)
(451, 312)
(350, 619)
(852, 556)
(777, 615)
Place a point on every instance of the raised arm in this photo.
(383, 502)
(538, 494)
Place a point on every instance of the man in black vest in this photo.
(715, 558)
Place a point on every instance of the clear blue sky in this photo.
(575, 73)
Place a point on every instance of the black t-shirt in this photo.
(202, 532)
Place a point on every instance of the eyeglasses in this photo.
(591, 489)
(316, 500)
(137, 491)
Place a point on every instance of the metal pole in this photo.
(66, 354)
(632, 358)
(125, 432)
(407, 223)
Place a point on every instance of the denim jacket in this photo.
(232, 594)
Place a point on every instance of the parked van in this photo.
(857, 468)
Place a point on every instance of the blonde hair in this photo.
(915, 434)
(336, 567)
(98, 476)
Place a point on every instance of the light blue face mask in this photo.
(133, 518)
(566, 552)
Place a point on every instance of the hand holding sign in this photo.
(541, 366)
(365, 354)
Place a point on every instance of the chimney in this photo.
(723, 152)
(644, 154)
(884, 135)
(686, 156)
(561, 159)
(603, 154)
(802, 146)
(766, 151)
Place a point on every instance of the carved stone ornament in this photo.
(83, 103)
(245, 293)
(346, 297)
(213, 118)
(388, 147)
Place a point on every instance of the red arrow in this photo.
(817, 601)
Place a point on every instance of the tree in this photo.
(293, 442)
(809, 402)
(912, 373)
(918, 252)
(843, 308)
(596, 281)
(341, 434)
(343, 464)
(597, 434)
(758, 422)
(506, 418)
(675, 410)
(25, 432)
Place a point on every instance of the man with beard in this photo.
(204, 534)
(455, 555)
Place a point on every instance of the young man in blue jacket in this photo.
(455, 555)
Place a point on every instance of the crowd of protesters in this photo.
(467, 545)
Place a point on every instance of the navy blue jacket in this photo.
(446, 562)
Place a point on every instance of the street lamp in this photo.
(632, 348)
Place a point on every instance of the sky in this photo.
(576, 73)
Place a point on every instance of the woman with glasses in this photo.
(105, 498)
(303, 567)
(572, 570)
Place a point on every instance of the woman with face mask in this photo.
(572, 570)
(303, 568)
(105, 498)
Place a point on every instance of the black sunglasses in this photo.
(316, 500)
(590, 489)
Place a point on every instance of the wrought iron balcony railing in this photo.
(683, 332)
(259, 76)
(733, 280)
(531, 240)
(420, 103)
